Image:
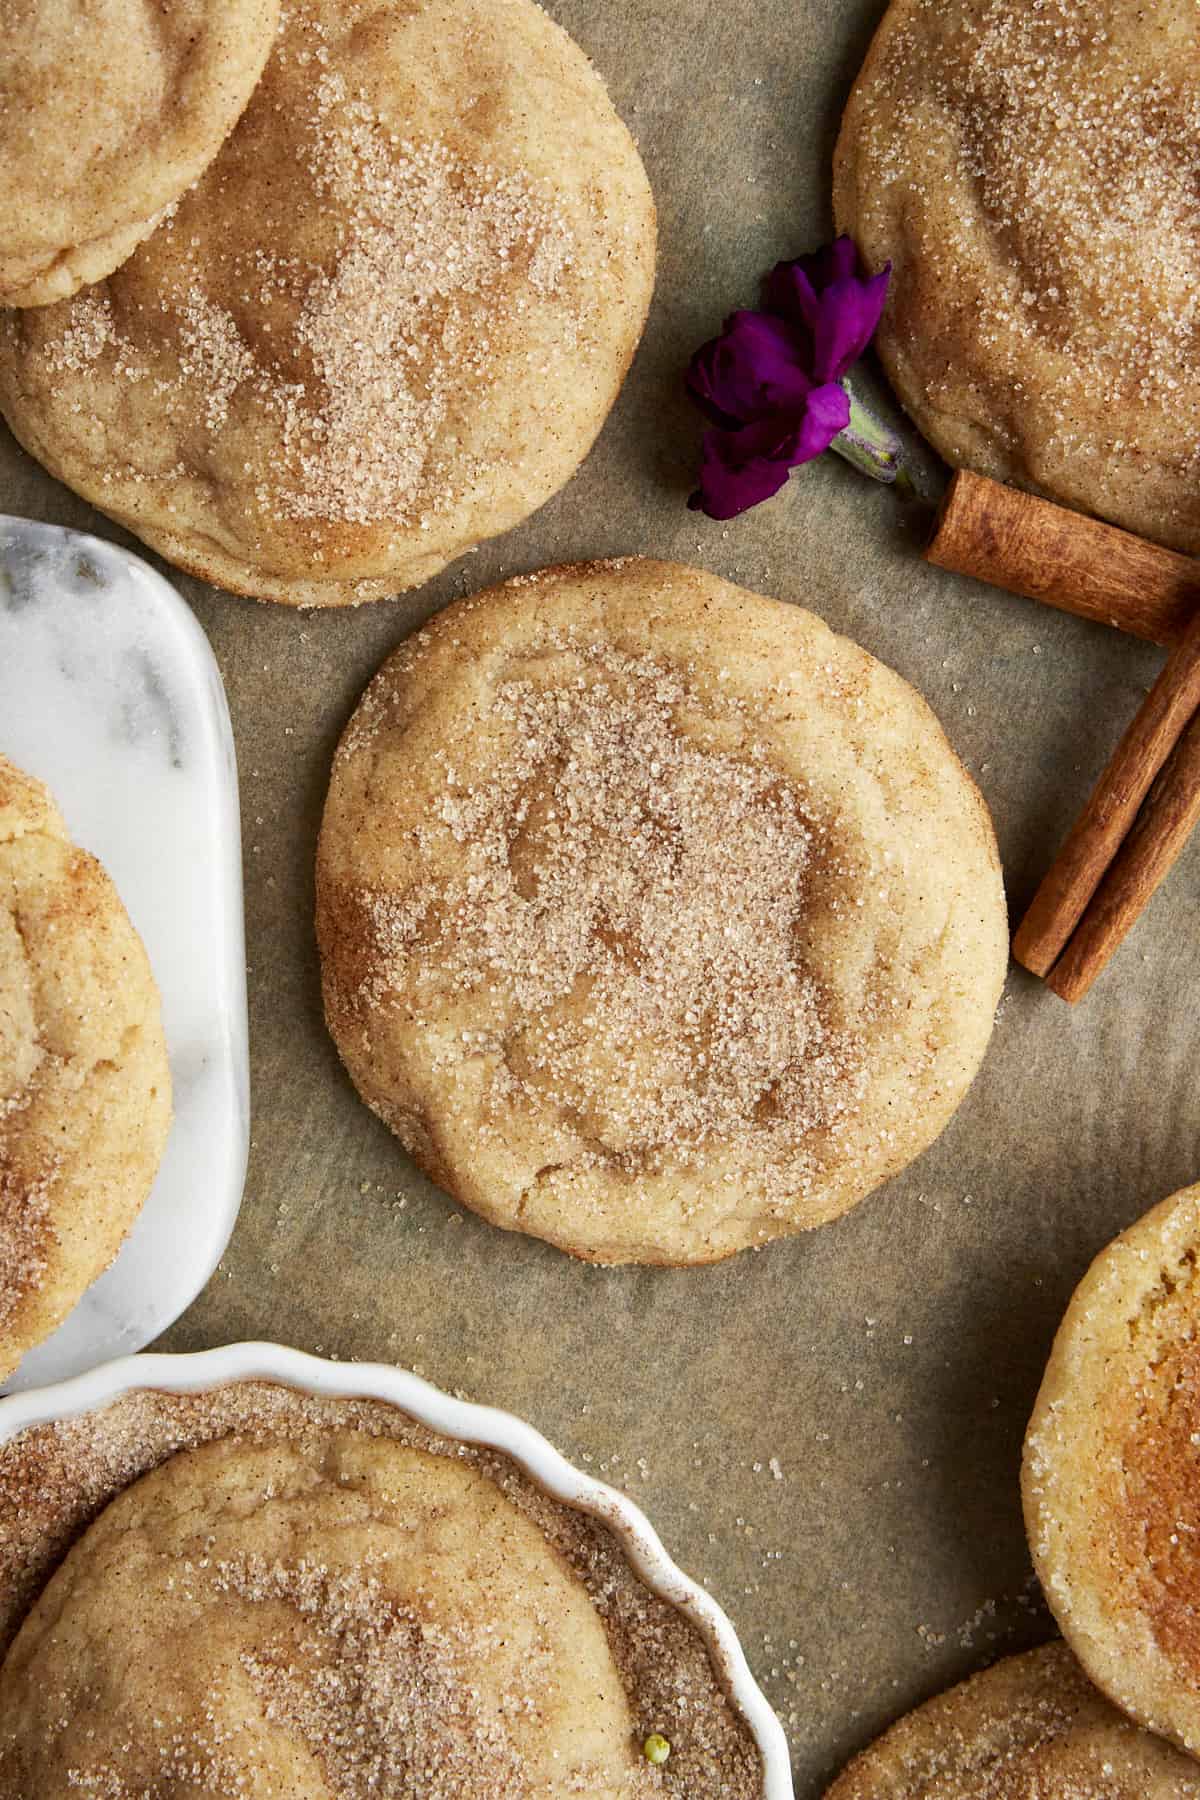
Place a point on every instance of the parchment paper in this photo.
(887, 1363)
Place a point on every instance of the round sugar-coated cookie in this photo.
(387, 323)
(1031, 168)
(1030, 1728)
(655, 919)
(109, 109)
(85, 1091)
(1111, 1476)
(350, 1618)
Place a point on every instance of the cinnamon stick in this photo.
(1094, 840)
(1029, 546)
(1145, 858)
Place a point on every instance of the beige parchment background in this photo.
(888, 1363)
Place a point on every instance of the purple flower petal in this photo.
(788, 291)
(849, 314)
(827, 413)
(739, 469)
(732, 477)
(797, 284)
(755, 367)
(833, 262)
(831, 296)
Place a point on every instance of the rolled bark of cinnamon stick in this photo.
(1096, 837)
(1147, 856)
(1029, 546)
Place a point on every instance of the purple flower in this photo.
(771, 382)
(740, 468)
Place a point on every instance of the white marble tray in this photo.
(109, 692)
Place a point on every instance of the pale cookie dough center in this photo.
(380, 1696)
(627, 919)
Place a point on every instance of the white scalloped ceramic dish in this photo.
(456, 1418)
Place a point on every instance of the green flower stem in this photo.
(874, 449)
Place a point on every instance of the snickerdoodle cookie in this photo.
(1032, 170)
(1111, 1476)
(351, 1617)
(400, 1562)
(655, 919)
(386, 324)
(108, 111)
(1030, 1728)
(85, 1092)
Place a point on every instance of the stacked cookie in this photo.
(1110, 1474)
(1030, 1728)
(384, 323)
(110, 113)
(1109, 1486)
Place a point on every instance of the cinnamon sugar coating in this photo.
(1030, 1728)
(329, 1591)
(1032, 169)
(85, 1091)
(386, 324)
(655, 919)
(107, 113)
(1111, 1476)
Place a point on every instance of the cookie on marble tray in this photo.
(85, 1090)
(1032, 171)
(388, 322)
(360, 1617)
(110, 110)
(1030, 1728)
(1111, 1476)
(655, 919)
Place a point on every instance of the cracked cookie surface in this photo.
(347, 1616)
(58, 1478)
(85, 1091)
(656, 920)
